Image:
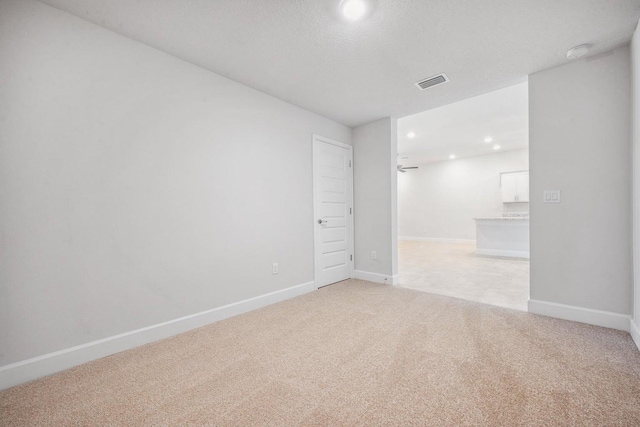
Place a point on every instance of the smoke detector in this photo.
(578, 51)
(432, 81)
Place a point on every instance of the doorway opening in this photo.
(463, 199)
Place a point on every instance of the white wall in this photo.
(375, 191)
(580, 143)
(440, 200)
(136, 188)
(635, 65)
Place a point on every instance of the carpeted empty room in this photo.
(319, 213)
(354, 353)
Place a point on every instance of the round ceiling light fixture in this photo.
(496, 147)
(411, 135)
(488, 139)
(353, 9)
(452, 156)
(578, 51)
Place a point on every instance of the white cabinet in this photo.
(515, 187)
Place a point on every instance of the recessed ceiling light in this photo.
(578, 51)
(411, 135)
(496, 147)
(353, 9)
(452, 156)
(488, 139)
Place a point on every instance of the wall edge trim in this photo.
(375, 277)
(503, 253)
(36, 367)
(634, 330)
(590, 316)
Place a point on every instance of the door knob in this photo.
(322, 222)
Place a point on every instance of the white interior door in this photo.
(333, 209)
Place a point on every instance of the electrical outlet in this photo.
(274, 268)
(374, 255)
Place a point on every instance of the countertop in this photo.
(503, 218)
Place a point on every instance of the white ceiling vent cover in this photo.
(432, 81)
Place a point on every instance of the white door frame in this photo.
(316, 237)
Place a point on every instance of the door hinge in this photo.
(349, 163)
(351, 257)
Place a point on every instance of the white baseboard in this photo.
(36, 367)
(500, 252)
(375, 277)
(606, 319)
(435, 239)
(634, 330)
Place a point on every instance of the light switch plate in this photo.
(551, 196)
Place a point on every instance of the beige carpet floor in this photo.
(453, 269)
(355, 353)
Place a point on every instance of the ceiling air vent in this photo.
(432, 81)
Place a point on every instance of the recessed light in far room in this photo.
(353, 10)
(452, 156)
(411, 135)
(496, 147)
(488, 139)
(578, 51)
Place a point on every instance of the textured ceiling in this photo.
(302, 52)
(460, 128)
